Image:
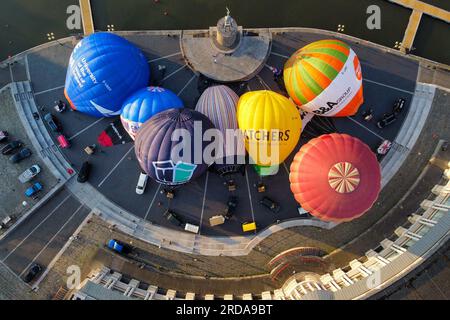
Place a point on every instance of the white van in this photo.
(191, 228)
(142, 183)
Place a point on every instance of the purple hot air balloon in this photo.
(169, 146)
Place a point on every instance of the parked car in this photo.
(142, 183)
(119, 246)
(270, 204)
(173, 218)
(85, 170)
(191, 228)
(53, 122)
(21, 155)
(32, 273)
(399, 105)
(231, 206)
(35, 188)
(10, 147)
(30, 173)
(4, 136)
(386, 120)
(63, 142)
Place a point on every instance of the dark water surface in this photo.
(25, 23)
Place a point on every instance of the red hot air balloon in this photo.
(335, 177)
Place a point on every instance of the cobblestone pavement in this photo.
(11, 190)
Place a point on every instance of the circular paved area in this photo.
(115, 170)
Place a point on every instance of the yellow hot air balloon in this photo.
(325, 78)
(271, 126)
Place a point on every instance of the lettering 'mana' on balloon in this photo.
(104, 69)
(271, 125)
(325, 78)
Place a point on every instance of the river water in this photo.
(24, 23)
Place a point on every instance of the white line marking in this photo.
(153, 200)
(263, 82)
(388, 86)
(176, 71)
(48, 90)
(279, 55)
(249, 196)
(87, 128)
(203, 203)
(60, 252)
(45, 219)
(115, 167)
(51, 240)
(27, 69)
(286, 168)
(186, 85)
(14, 274)
(363, 126)
(165, 57)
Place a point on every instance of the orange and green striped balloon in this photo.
(325, 78)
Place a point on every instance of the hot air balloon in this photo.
(325, 78)
(271, 126)
(163, 155)
(335, 177)
(144, 104)
(218, 103)
(104, 69)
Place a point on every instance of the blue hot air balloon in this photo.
(104, 69)
(169, 149)
(144, 104)
(218, 103)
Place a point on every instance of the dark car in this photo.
(231, 206)
(173, 218)
(270, 204)
(10, 147)
(32, 273)
(21, 155)
(399, 105)
(85, 170)
(386, 120)
(53, 122)
(4, 136)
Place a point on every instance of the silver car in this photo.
(29, 174)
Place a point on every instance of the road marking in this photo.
(176, 71)
(60, 252)
(185, 86)
(87, 128)
(363, 126)
(153, 200)
(250, 196)
(286, 168)
(165, 57)
(388, 86)
(203, 203)
(263, 82)
(14, 274)
(51, 240)
(48, 90)
(279, 55)
(11, 73)
(115, 167)
(45, 219)
(27, 68)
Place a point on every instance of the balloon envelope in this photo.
(144, 104)
(159, 154)
(271, 126)
(104, 69)
(325, 78)
(335, 177)
(218, 103)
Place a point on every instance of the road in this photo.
(42, 235)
